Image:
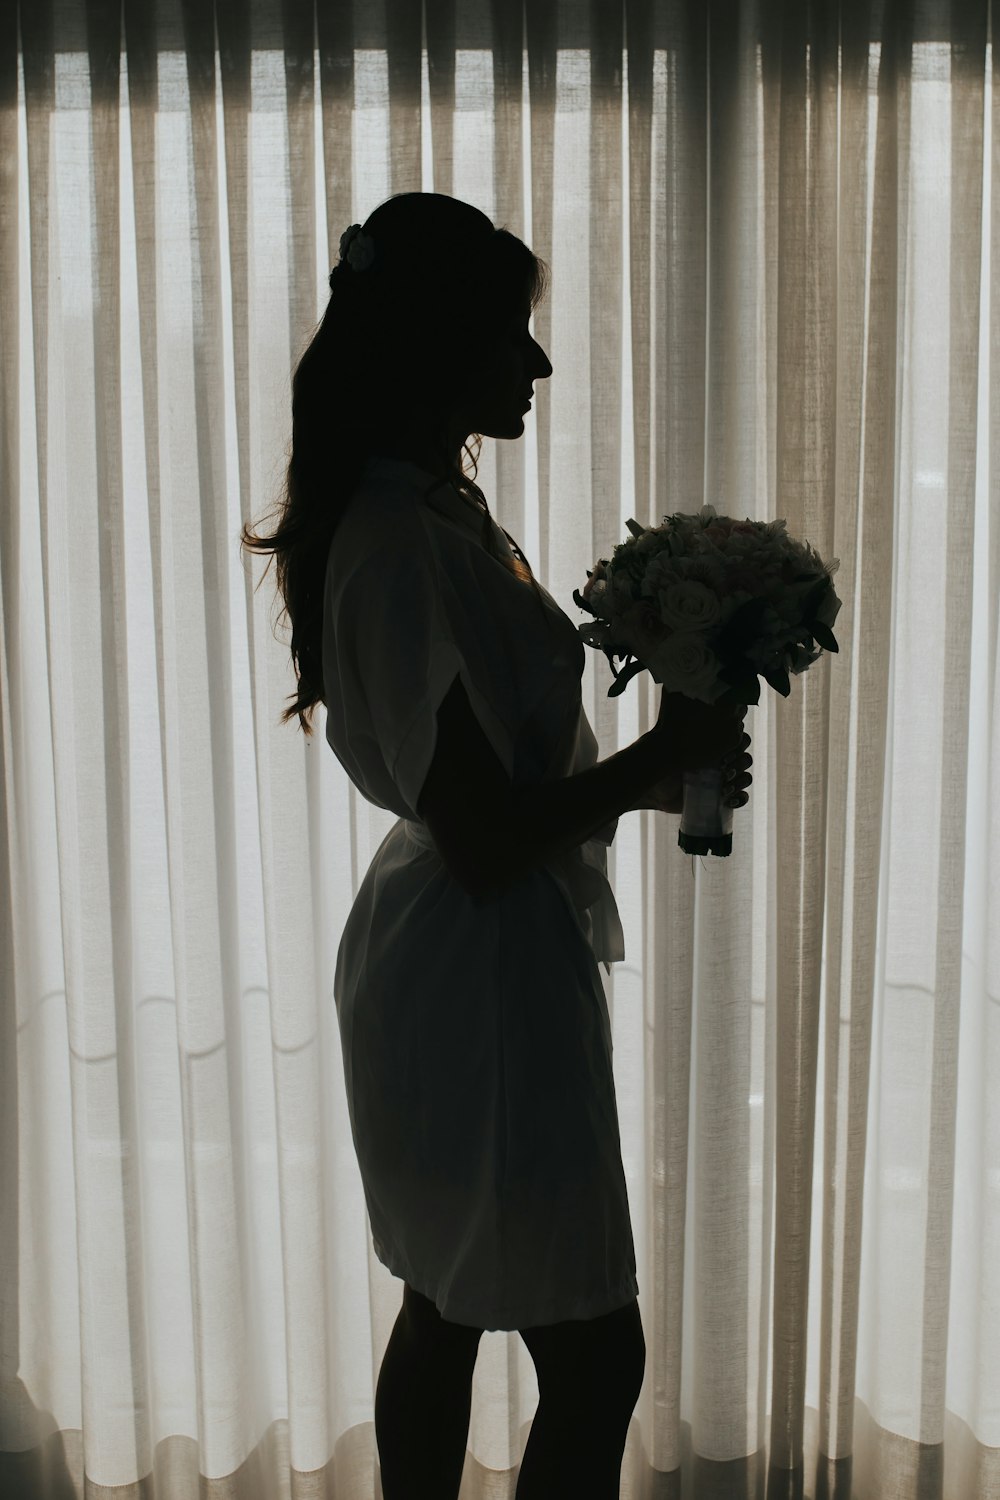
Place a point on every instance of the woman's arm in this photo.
(666, 795)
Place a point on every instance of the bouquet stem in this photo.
(706, 821)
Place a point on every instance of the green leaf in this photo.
(624, 677)
(825, 636)
(779, 681)
(583, 603)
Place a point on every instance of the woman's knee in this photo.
(603, 1358)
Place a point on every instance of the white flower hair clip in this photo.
(357, 248)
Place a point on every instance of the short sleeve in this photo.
(397, 631)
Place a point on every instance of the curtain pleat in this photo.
(773, 241)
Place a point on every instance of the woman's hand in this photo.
(667, 794)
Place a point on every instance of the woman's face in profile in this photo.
(499, 398)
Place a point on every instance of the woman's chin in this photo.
(513, 427)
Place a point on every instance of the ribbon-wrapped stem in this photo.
(707, 820)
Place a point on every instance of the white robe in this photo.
(476, 1041)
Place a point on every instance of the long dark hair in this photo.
(391, 334)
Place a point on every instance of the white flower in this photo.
(361, 252)
(686, 663)
(357, 248)
(705, 569)
(661, 573)
(689, 605)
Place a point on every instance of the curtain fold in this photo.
(773, 239)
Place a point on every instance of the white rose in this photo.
(743, 544)
(707, 570)
(689, 605)
(661, 573)
(685, 663)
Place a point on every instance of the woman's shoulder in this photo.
(380, 528)
(382, 502)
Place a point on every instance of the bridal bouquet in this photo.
(708, 605)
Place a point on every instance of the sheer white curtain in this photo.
(772, 240)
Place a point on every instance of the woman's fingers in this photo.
(738, 757)
(737, 777)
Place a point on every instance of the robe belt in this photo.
(582, 871)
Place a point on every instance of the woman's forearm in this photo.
(665, 795)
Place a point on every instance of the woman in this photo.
(473, 1021)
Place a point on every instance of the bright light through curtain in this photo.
(772, 241)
